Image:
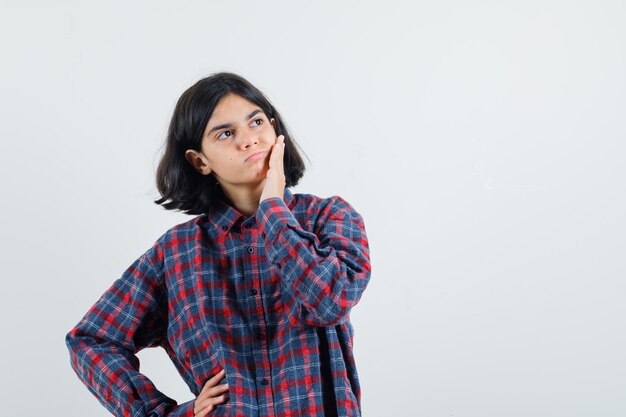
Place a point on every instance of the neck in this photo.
(244, 199)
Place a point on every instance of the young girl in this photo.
(251, 298)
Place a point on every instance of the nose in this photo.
(247, 138)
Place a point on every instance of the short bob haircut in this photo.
(177, 180)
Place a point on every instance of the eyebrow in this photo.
(222, 126)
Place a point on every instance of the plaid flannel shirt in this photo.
(266, 297)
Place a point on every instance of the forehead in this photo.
(231, 108)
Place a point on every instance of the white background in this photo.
(482, 142)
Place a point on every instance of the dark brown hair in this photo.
(177, 181)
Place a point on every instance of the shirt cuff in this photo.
(274, 217)
(183, 410)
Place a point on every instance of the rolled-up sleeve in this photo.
(324, 271)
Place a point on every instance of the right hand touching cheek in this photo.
(212, 394)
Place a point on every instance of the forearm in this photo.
(324, 275)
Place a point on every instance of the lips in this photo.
(256, 155)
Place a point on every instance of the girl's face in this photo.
(236, 130)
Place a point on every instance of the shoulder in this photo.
(320, 209)
(334, 202)
(182, 232)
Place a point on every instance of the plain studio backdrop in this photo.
(483, 142)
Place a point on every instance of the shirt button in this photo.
(224, 227)
(261, 335)
(265, 381)
(252, 291)
(250, 249)
(262, 234)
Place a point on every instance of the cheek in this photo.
(269, 129)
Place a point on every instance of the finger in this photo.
(214, 380)
(279, 146)
(200, 408)
(210, 392)
(215, 391)
(205, 411)
(275, 155)
(209, 402)
(281, 157)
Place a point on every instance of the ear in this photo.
(273, 122)
(198, 162)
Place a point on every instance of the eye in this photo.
(226, 131)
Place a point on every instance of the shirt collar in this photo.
(224, 216)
